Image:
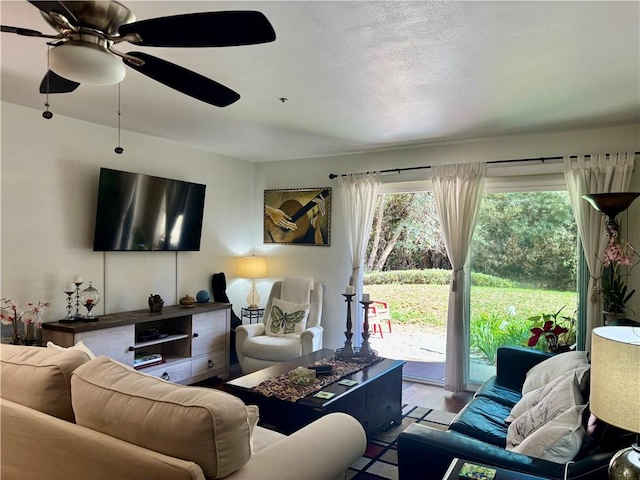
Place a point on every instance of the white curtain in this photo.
(600, 173)
(358, 193)
(457, 192)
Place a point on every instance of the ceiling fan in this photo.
(83, 49)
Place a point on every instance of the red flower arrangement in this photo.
(550, 327)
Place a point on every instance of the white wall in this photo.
(49, 174)
(49, 180)
(331, 265)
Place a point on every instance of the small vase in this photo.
(29, 337)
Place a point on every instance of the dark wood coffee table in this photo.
(376, 401)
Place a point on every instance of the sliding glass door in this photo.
(407, 273)
(524, 264)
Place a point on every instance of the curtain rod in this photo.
(513, 160)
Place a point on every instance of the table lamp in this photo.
(615, 390)
(253, 267)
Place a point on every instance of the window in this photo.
(524, 263)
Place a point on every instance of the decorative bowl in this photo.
(187, 301)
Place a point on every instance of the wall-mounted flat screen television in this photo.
(140, 212)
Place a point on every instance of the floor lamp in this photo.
(611, 204)
(253, 267)
(615, 390)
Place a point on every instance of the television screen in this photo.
(142, 212)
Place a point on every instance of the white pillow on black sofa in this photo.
(541, 374)
(564, 396)
(558, 440)
(532, 398)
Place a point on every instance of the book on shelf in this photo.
(143, 359)
(147, 365)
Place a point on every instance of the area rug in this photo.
(380, 460)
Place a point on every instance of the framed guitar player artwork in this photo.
(300, 216)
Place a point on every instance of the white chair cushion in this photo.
(277, 349)
(553, 367)
(286, 319)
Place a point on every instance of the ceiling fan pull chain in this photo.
(47, 114)
(118, 149)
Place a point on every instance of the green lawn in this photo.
(498, 314)
(428, 303)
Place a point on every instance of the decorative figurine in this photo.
(155, 303)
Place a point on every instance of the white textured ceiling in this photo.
(363, 76)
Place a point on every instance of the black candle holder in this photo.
(77, 315)
(69, 318)
(347, 353)
(364, 353)
(365, 349)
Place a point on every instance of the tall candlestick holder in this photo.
(347, 353)
(77, 313)
(69, 318)
(365, 349)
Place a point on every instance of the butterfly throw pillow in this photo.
(286, 319)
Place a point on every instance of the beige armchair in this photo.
(257, 350)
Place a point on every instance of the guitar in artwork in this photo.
(275, 234)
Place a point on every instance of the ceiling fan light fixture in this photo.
(87, 63)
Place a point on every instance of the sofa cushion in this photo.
(483, 419)
(564, 396)
(532, 398)
(498, 393)
(78, 346)
(203, 425)
(558, 440)
(40, 378)
(553, 367)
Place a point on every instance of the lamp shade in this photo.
(87, 63)
(615, 376)
(611, 204)
(253, 267)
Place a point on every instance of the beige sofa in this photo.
(66, 416)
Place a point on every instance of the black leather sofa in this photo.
(478, 433)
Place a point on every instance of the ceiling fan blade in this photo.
(212, 29)
(183, 80)
(21, 31)
(57, 84)
(56, 7)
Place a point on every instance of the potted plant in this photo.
(558, 331)
(30, 317)
(615, 294)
